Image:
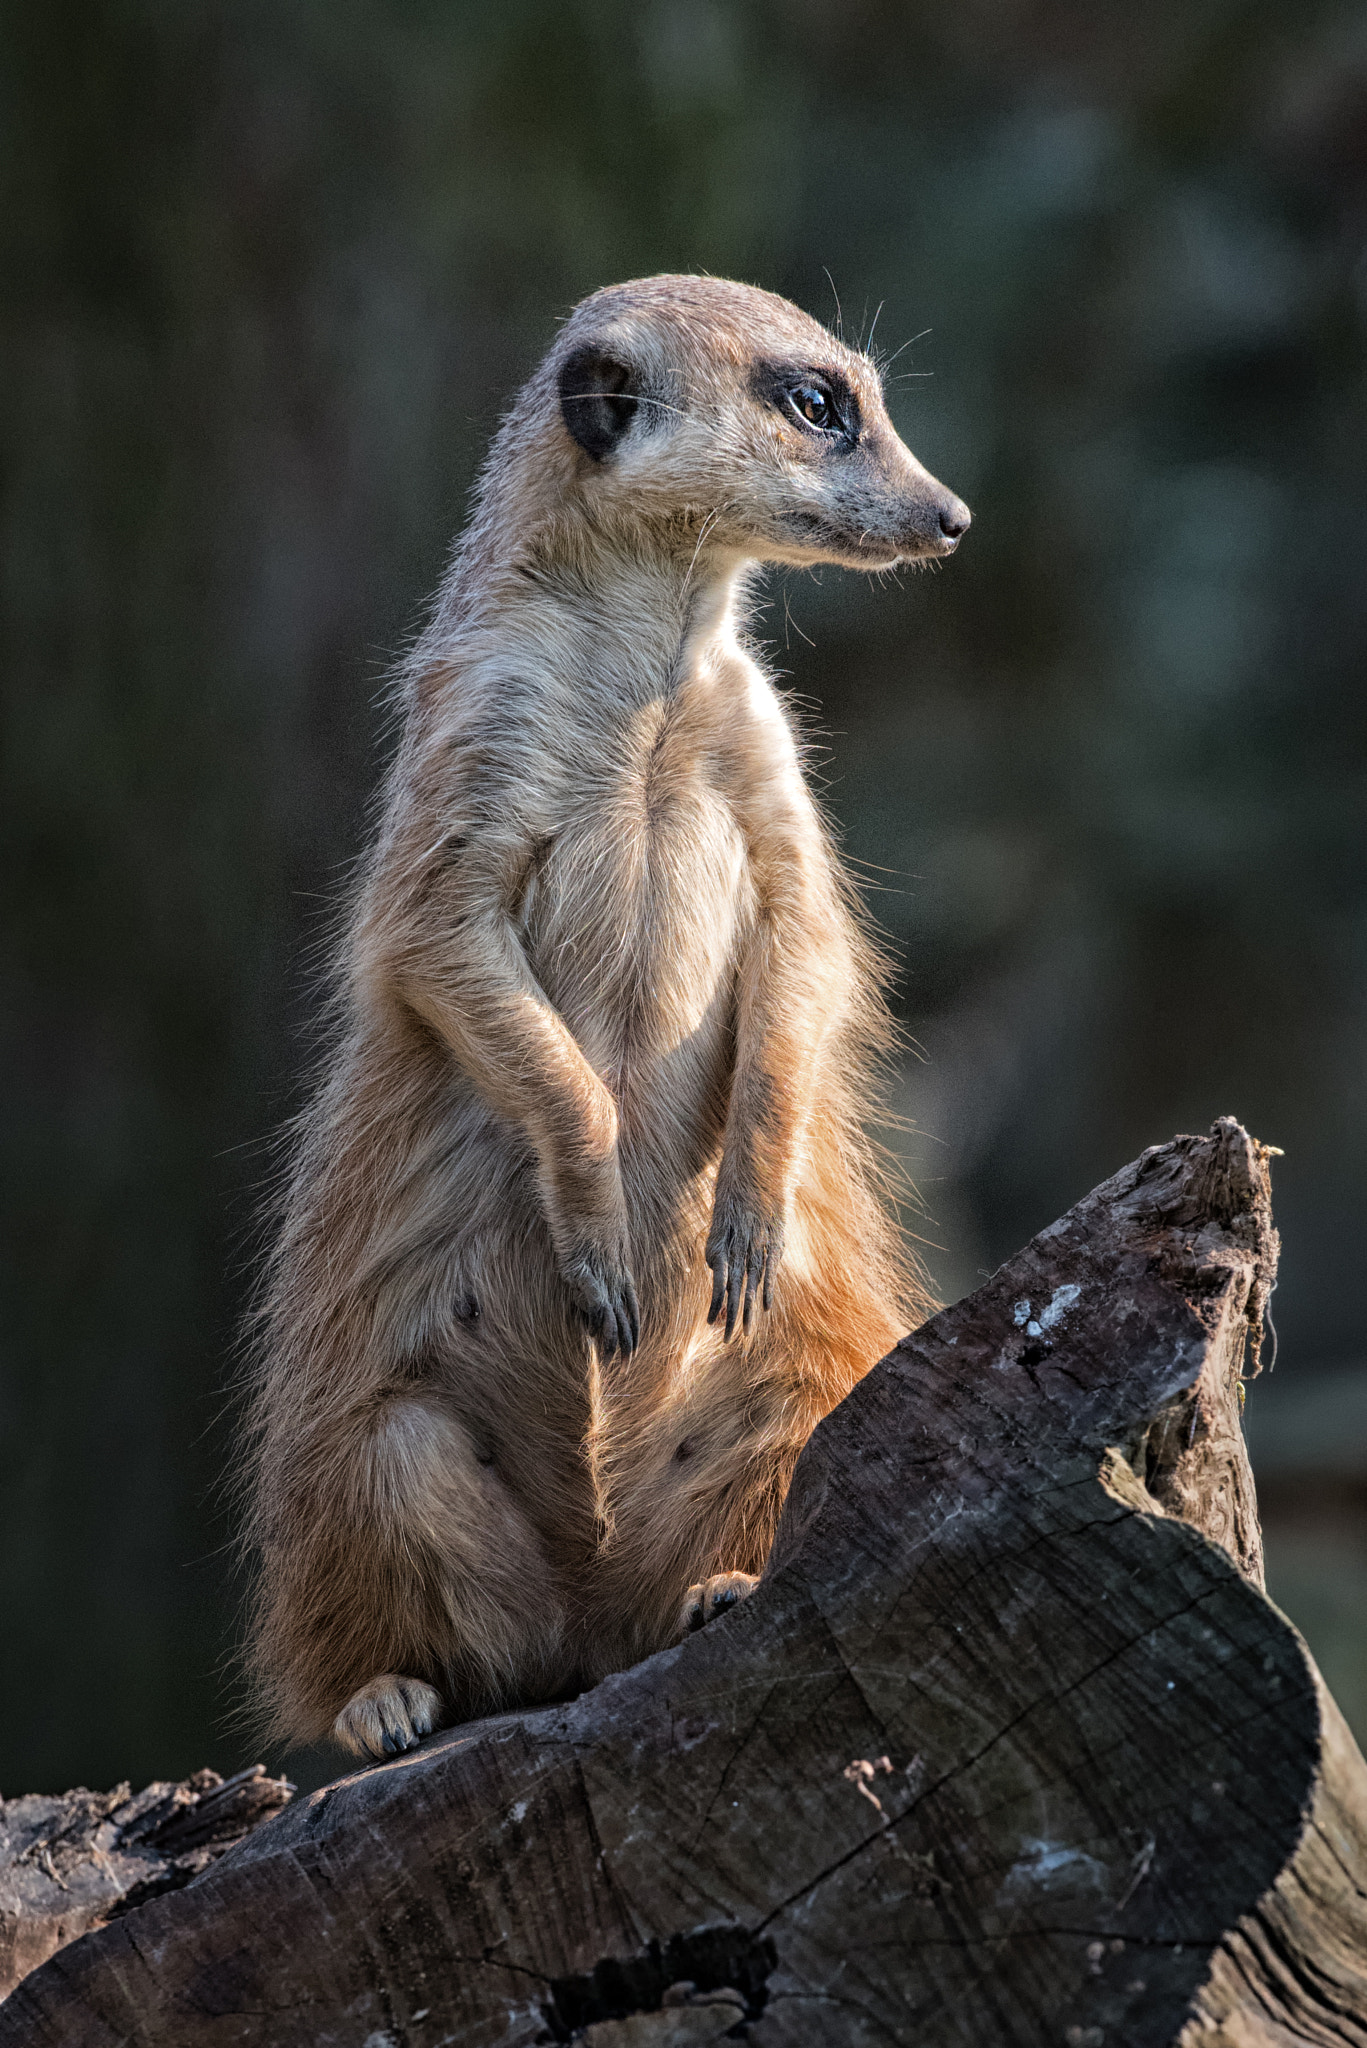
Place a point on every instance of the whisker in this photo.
(839, 316)
(905, 346)
(707, 525)
(789, 620)
(638, 398)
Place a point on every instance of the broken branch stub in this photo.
(1008, 1747)
(75, 1860)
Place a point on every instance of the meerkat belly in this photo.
(634, 934)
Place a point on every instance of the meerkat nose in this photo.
(955, 519)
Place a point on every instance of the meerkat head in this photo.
(727, 416)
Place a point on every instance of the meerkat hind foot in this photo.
(389, 1715)
(713, 1596)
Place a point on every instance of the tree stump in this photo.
(1009, 1746)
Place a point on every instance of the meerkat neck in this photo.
(574, 583)
(688, 607)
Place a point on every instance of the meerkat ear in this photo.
(598, 398)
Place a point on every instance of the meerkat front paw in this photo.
(744, 1246)
(390, 1714)
(605, 1295)
(713, 1596)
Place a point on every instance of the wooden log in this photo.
(76, 1860)
(1009, 1747)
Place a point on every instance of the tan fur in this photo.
(607, 1010)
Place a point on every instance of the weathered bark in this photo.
(1008, 1748)
(76, 1860)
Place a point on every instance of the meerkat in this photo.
(583, 1234)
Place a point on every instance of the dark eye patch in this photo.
(821, 400)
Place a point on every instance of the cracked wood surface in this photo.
(1009, 1747)
(74, 1860)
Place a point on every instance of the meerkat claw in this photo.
(604, 1328)
(607, 1301)
(754, 1272)
(388, 1716)
(718, 1258)
(742, 1259)
(711, 1597)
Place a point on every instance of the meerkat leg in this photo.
(792, 992)
(408, 1586)
(711, 1597)
(482, 1001)
(390, 1714)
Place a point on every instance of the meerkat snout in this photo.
(932, 519)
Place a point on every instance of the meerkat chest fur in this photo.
(636, 897)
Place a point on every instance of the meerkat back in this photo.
(584, 1234)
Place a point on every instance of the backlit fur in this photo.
(606, 1008)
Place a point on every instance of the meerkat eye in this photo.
(813, 403)
(819, 401)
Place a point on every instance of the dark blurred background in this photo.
(270, 271)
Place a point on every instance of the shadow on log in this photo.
(1009, 1747)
